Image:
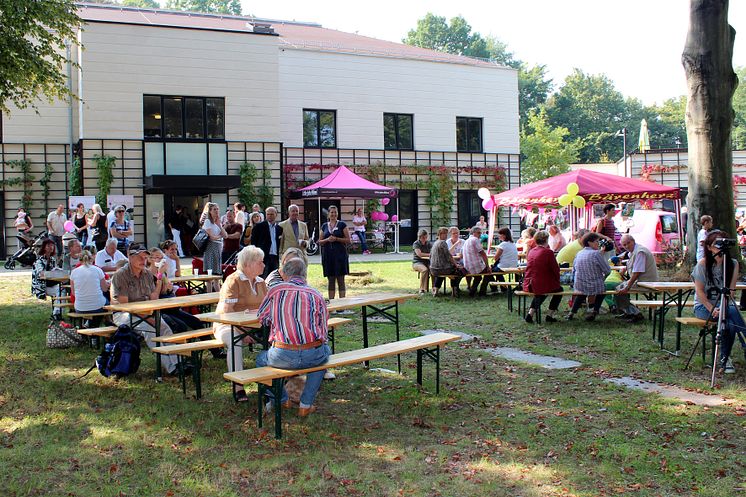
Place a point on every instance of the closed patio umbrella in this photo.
(644, 142)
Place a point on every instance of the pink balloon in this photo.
(374, 216)
(488, 203)
(69, 226)
(384, 216)
(394, 218)
(386, 201)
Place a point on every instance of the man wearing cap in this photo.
(133, 283)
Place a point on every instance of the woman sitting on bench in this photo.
(88, 285)
(442, 264)
(542, 277)
(591, 269)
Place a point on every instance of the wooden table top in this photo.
(249, 318)
(676, 285)
(195, 277)
(148, 306)
(59, 275)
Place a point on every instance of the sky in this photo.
(636, 43)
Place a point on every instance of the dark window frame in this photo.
(183, 139)
(318, 128)
(467, 121)
(396, 116)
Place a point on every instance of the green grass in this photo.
(498, 428)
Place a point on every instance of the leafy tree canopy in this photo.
(739, 105)
(32, 50)
(232, 7)
(546, 149)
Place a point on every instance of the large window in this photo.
(170, 118)
(469, 134)
(398, 132)
(319, 128)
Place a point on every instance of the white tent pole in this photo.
(319, 238)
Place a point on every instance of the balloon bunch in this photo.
(572, 197)
(379, 216)
(487, 202)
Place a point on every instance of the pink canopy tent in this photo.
(343, 183)
(594, 187)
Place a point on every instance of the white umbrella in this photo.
(644, 142)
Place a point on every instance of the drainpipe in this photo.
(70, 106)
(80, 84)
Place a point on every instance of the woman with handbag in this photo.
(211, 261)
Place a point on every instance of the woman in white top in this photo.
(556, 240)
(455, 242)
(212, 258)
(506, 255)
(173, 263)
(359, 221)
(88, 284)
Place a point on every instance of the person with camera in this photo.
(591, 269)
(708, 279)
(640, 267)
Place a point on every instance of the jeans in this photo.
(363, 243)
(579, 300)
(298, 359)
(58, 244)
(733, 321)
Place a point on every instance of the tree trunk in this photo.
(711, 82)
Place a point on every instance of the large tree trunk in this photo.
(711, 82)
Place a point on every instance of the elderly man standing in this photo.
(640, 267)
(56, 227)
(297, 318)
(266, 235)
(294, 231)
(133, 283)
(475, 262)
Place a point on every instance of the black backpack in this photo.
(121, 356)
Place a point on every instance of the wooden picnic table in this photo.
(147, 308)
(674, 293)
(195, 282)
(372, 304)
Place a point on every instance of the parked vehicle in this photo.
(656, 230)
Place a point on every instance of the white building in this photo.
(181, 100)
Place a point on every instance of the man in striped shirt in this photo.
(296, 315)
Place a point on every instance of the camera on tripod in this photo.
(724, 243)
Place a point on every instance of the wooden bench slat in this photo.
(692, 321)
(61, 305)
(103, 331)
(188, 348)
(88, 314)
(654, 303)
(334, 322)
(267, 374)
(522, 293)
(183, 337)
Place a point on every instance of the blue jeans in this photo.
(733, 320)
(298, 359)
(363, 243)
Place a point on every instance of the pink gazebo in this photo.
(594, 187)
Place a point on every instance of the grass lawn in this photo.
(498, 427)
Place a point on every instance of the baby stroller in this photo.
(26, 255)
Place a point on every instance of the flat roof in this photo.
(293, 34)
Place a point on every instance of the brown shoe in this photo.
(287, 404)
(306, 411)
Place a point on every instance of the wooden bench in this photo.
(705, 328)
(426, 346)
(78, 317)
(524, 295)
(179, 344)
(100, 332)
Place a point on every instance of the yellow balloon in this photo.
(573, 189)
(565, 200)
(578, 202)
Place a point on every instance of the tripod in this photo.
(725, 303)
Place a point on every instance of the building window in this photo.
(173, 118)
(398, 132)
(319, 128)
(468, 134)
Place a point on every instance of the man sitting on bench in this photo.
(297, 318)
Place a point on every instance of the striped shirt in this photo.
(295, 313)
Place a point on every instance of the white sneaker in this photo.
(729, 369)
(329, 375)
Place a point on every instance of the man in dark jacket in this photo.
(266, 235)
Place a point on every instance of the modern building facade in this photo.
(181, 103)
